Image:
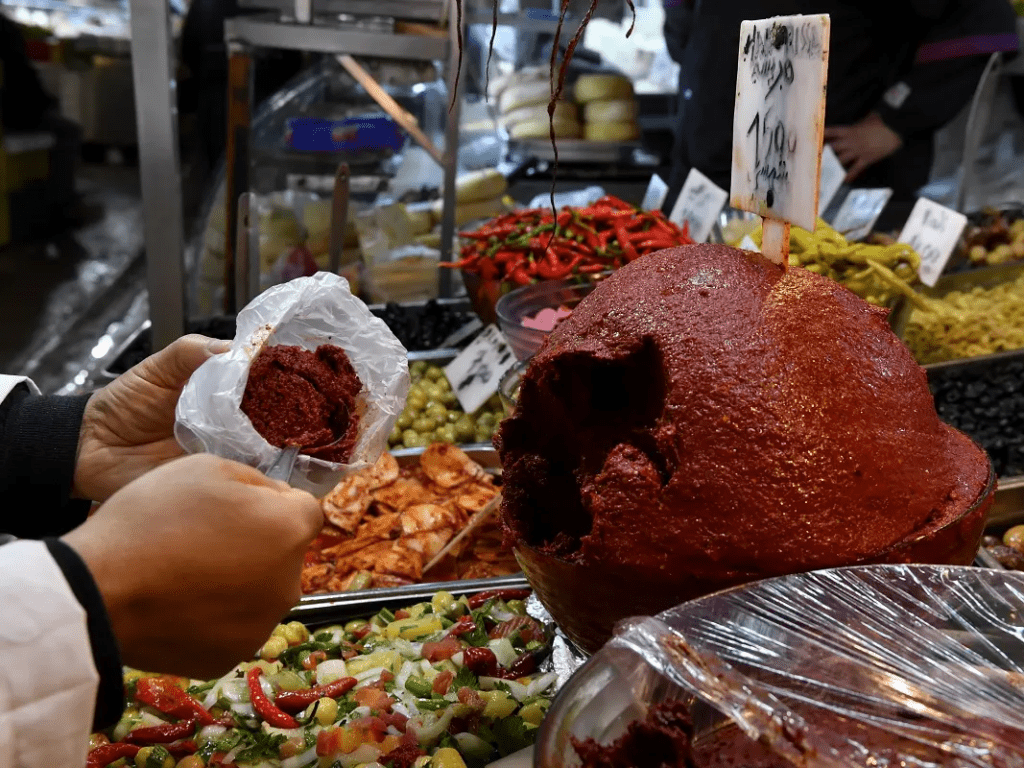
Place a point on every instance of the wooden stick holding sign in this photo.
(778, 125)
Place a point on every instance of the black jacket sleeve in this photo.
(105, 653)
(678, 25)
(949, 62)
(38, 448)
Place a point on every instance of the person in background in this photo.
(184, 568)
(898, 71)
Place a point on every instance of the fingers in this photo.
(836, 132)
(174, 364)
(858, 167)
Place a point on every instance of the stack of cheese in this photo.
(478, 195)
(609, 107)
(522, 98)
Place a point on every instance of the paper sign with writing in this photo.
(657, 191)
(860, 210)
(477, 371)
(832, 175)
(932, 230)
(779, 119)
(748, 244)
(698, 205)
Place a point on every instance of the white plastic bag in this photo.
(306, 312)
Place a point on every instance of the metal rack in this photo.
(314, 26)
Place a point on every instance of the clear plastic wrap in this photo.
(307, 312)
(901, 665)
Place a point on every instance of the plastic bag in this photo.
(873, 665)
(306, 312)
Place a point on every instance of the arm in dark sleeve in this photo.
(38, 449)
(949, 62)
(105, 653)
(678, 24)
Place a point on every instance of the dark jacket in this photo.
(23, 100)
(937, 50)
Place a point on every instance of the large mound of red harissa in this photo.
(705, 412)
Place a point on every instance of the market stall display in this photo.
(432, 412)
(448, 682)
(994, 237)
(798, 412)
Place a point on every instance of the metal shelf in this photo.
(318, 38)
(419, 10)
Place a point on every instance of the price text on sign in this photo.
(779, 117)
(698, 205)
(932, 230)
(476, 373)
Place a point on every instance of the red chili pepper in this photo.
(488, 269)
(519, 276)
(161, 693)
(161, 734)
(477, 600)
(627, 247)
(525, 665)
(182, 748)
(264, 707)
(108, 753)
(296, 701)
(313, 659)
(480, 661)
(462, 626)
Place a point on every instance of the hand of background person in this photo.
(128, 426)
(197, 561)
(862, 144)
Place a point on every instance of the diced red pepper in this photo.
(442, 682)
(104, 755)
(161, 734)
(477, 600)
(480, 661)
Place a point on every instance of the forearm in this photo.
(50, 647)
(931, 95)
(38, 449)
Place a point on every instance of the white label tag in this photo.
(932, 230)
(748, 244)
(779, 117)
(477, 371)
(832, 175)
(698, 205)
(656, 193)
(860, 210)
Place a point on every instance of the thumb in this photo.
(174, 364)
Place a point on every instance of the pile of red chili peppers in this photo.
(529, 245)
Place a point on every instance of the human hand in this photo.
(197, 561)
(862, 144)
(128, 426)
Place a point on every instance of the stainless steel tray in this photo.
(1008, 507)
(577, 150)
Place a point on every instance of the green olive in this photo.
(405, 419)
(449, 399)
(443, 384)
(437, 411)
(481, 436)
(416, 401)
(1014, 537)
(395, 436)
(446, 434)
(486, 417)
(418, 368)
(410, 438)
(465, 428)
(433, 372)
(454, 416)
(424, 424)
(494, 402)
(433, 392)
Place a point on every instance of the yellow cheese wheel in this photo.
(524, 95)
(485, 184)
(621, 131)
(564, 111)
(617, 111)
(540, 129)
(602, 88)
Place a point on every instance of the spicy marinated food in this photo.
(297, 397)
(386, 523)
(446, 683)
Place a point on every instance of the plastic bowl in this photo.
(586, 599)
(515, 306)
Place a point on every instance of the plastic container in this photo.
(512, 308)
(871, 665)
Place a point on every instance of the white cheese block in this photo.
(499, 84)
(564, 111)
(621, 131)
(485, 184)
(524, 95)
(617, 111)
(602, 88)
(540, 129)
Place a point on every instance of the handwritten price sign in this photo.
(779, 117)
(698, 205)
(932, 230)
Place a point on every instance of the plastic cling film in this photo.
(307, 312)
(872, 665)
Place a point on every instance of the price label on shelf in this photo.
(832, 175)
(656, 193)
(932, 230)
(476, 373)
(698, 205)
(860, 210)
(779, 118)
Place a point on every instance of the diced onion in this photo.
(298, 761)
(229, 758)
(330, 670)
(503, 651)
(210, 733)
(519, 691)
(542, 683)
(404, 674)
(369, 676)
(457, 659)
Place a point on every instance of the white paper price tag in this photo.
(860, 210)
(748, 244)
(656, 193)
(477, 371)
(932, 230)
(779, 118)
(832, 175)
(698, 205)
